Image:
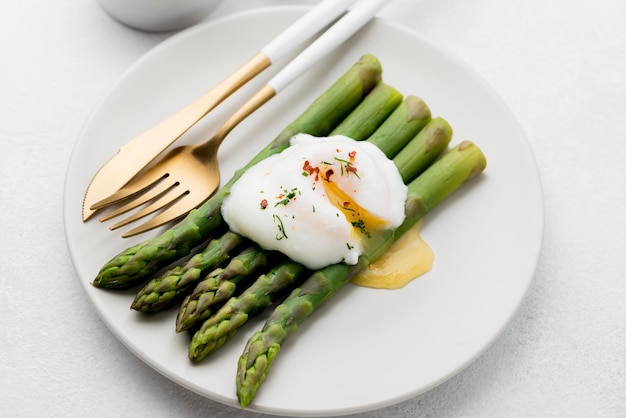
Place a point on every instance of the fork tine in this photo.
(185, 203)
(162, 202)
(146, 180)
(155, 192)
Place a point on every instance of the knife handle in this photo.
(304, 28)
(344, 28)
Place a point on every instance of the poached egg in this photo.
(318, 200)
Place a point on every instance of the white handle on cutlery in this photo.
(354, 20)
(304, 28)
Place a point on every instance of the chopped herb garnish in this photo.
(281, 228)
(347, 167)
(360, 225)
(345, 206)
(287, 197)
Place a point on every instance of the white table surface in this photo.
(559, 65)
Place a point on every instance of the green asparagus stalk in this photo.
(170, 287)
(430, 143)
(378, 105)
(360, 123)
(265, 290)
(405, 122)
(217, 329)
(161, 292)
(436, 183)
(139, 262)
(215, 289)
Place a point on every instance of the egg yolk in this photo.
(408, 258)
(361, 219)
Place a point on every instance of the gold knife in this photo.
(134, 156)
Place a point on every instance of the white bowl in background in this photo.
(158, 15)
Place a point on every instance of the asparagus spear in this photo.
(430, 143)
(138, 262)
(378, 104)
(219, 286)
(217, 329)
(405, 122)
(161, 292)
(425, 192)
(170, 287)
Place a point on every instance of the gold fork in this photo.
(138, 153)
(186, 176)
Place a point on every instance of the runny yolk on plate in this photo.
(408, 258)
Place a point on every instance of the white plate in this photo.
(367, 348)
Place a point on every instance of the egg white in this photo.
(284, 202)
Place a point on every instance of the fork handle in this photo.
(261, 97)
